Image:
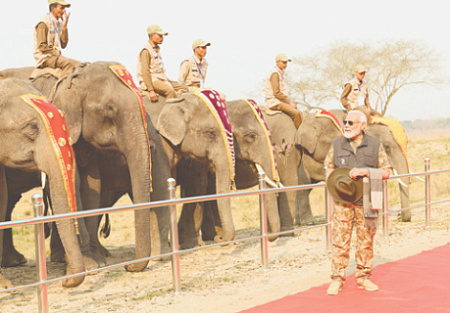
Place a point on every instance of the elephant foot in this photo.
(137, 267)
(91, 263)
(404, 216)
(58, 256)
(220, 239)
(73, 281)
(104, 251)
(272, 238)
(13, 258)
(5, 283)
(189, 243)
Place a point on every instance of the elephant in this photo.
(27, 145)
(253, 146)
(103, 113)
(314, 136)
(177, 127)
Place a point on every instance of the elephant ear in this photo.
(171, 122)
(306, 136)
(70, 102)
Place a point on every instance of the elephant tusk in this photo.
(399, 180)
(43, 179)
(269, 182)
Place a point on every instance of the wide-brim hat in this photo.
(62, 2)
(342, 187)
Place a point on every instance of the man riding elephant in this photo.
(50, 35)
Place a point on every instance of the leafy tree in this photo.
(318, 80)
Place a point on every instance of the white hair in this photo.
(362, 116)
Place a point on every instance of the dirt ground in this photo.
(225, 279)
(220, 279)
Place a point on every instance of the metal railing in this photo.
(172, 203)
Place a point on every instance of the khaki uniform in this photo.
(345, 215)
(48, 35)
(193, 72)
(151, 75)
(355, 94)
(277, 96)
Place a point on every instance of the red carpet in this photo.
(420, 283)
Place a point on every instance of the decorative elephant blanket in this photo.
(329, 115)
(58, 133)
(218, 108)
(127, 79)
(258, 114)
(397, 131)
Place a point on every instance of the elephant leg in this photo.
(57, 253)
(11, 257)
(209, 223)
(4, 283)
(189, 225)
(404, 197)
(303, 214)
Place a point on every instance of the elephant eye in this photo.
(31, 130)
(210, 134)
(250, 137)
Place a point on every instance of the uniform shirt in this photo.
(150, 66)
(355, 93)
(275, 89)
(193, 72)
(48, 35)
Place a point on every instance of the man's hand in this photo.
(65, 19)
(153, 95)
(357, 172)
(293, 104)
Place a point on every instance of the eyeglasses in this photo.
(349, 122)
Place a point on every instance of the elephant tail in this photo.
(106, 228)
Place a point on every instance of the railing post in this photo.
(41, 264)
(174, 238)
(385, 208)
(328, 215)
(427, 193)
(263, 222)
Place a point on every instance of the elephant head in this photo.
(27, 145)
(103, 112)
(191, 128)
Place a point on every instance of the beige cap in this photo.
(155, 29)
(62, 2)
(200, 43)
(360, 68)
(282, 57)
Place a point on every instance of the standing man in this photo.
(49, 33)
(193, 70)
(276, 92)
(360, 153)
(150, 68)
(356, 93)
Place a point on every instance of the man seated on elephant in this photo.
(360, 154)
(49, 33)
(150, 68)
(193, 70)
(356, 93)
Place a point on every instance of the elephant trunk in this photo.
(138, 158)
(226, 219)
(66, 227)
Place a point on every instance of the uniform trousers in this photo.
(344, 216)
(65, 64)
(295, 114)
(168, 88)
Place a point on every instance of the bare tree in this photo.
(317, 81)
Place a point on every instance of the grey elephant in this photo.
(184, 126)
(315, 136)
(253, 147)
(104, 113)
(27, 144)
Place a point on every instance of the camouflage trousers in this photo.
(344, 216)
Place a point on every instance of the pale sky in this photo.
(245, 36)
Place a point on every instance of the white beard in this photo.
(350, 133)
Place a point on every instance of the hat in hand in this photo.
(342, 187)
